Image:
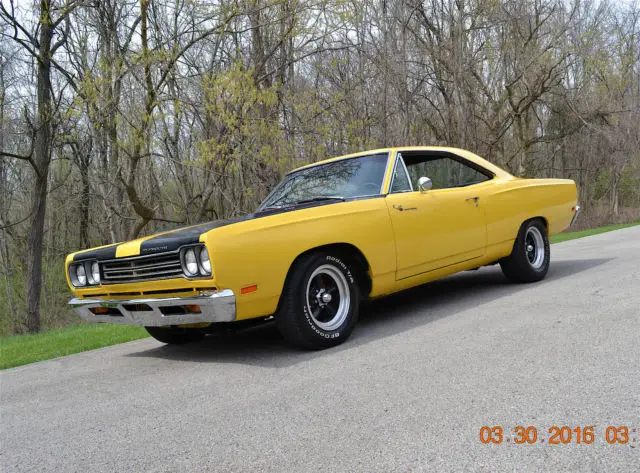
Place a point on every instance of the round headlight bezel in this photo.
(86, 277)
(94, 273)
(190, 264)
(200, 254)
(205, 261)
(72, 275)
(82, 280)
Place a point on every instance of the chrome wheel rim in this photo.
(328, 297)
(534, 247)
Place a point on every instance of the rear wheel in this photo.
(529, 259)
(175, 335)
(320, 302)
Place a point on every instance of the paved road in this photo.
(424, 371)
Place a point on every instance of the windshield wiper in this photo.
(274, 207)
(320, 199)
(305, 201)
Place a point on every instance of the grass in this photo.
(20, 350)
(593, 231)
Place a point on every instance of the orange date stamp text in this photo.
(560, 435)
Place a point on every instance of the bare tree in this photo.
(42, 45)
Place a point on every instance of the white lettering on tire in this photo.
(315, 328)
(343, 266)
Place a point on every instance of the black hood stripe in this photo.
(108, 252)
(186, 236)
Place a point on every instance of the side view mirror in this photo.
(424, 184)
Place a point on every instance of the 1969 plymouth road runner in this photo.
(330, 234)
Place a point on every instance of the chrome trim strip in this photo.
(151, 266)
(144, 275)
(406, 172)
(219, 306)
(393, 174)
(575, 216)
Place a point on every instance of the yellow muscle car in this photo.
(330, 234)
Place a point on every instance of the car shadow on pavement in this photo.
(383, 317)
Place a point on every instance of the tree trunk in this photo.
(84, 203)
(41, 160)
(614, 196)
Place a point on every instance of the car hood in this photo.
(161, 242)
(171, 240)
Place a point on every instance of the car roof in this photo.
(446, 149)
(339, 158)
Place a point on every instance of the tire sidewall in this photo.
(311, 329)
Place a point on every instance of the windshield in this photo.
(352, 177)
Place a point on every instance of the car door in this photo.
(441, 226)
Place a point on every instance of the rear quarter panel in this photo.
(516, 200)
(262, 250)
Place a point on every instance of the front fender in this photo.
(260, 252)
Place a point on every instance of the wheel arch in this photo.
(538, 217)
(348, 251)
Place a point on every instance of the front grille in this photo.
(142, 268)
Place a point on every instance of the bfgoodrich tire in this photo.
(529, 259)
(320, 302)
(175, 335)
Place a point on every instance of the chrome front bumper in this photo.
(217, 307)
(575, 216)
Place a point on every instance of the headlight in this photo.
(205, 261)
(190, 262)
(85, 273)
(95, 273)
(73, 275)
(81, 275)
(195, 261)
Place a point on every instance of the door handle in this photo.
(475, 199)
(401, 208)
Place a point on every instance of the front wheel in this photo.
(175, 335)
(320, 302)
(529, 259)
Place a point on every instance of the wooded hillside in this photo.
(120, 118)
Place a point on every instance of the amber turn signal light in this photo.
(99, 310)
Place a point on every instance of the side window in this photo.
(400, 181)
(443, 171)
